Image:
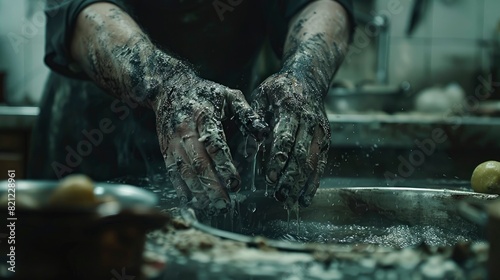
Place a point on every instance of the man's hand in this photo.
(193, 143)
(314, 49)
(120, 58)
(300, 137)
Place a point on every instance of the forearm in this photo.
(317, 42)
(119, 57)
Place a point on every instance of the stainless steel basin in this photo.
(394, 217)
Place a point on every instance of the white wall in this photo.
(22, 31)
(451, 43)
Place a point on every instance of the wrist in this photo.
(172, 73)
(314, 79)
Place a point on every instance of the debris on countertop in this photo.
(192, 254)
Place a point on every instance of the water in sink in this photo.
(385, 234)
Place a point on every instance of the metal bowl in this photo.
(78, 243)
(126, 195)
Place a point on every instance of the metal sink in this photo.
(394, 217)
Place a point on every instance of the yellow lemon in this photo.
(74, 190)
(486, 177)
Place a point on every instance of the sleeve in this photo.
(61, 19)
(282, 11)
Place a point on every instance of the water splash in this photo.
(287, 219)
(252, 207)
(387, 235)
(245, 149)
(297, 216)
(253, 166)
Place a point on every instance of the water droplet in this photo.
(245, 150)
(252, 207)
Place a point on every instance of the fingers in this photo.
(191, 171)
(306, 198)
(212, 135)
(284, 138)
(319, 153)
(201, 164)
(182, 190)
(302, 172)
(249, 121)
(183, 177)
(300, 166)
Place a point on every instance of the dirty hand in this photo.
(192, 140)
(300, 136)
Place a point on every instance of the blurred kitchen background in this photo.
(411, 67)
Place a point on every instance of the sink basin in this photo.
(390, 217)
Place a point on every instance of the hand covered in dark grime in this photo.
(299, 140)
(193, 142)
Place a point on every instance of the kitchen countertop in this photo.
(17, 117)
(351, 130)
(402, 130)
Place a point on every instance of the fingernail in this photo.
(281, 157)
(272, 176)
(282, 194)
(220, 204)
(233, 184)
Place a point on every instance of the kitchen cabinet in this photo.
(16, 124)
(14, 147)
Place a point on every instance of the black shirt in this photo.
(189, 29)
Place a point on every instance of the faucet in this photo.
(382, 23)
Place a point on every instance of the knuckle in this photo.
(238, 94)
(200, 164)
(288, 102)
(321, 166)
(284, 141)
(309, 166)
(216, 147)
(172, 171)
(183, 168)
(226, 170)
(301, 152)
